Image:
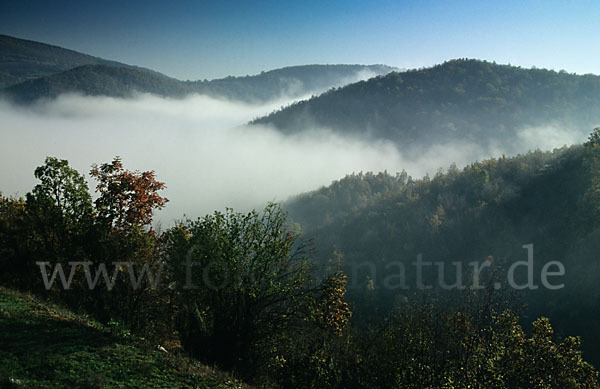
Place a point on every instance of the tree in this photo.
(62, 191)
(319, 353)
(59, 209)
(126, 198)
(59, 215)
(125, 206)
(244, 281)
(594, 138)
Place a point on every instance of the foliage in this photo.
(244, 280)
(320, 352)
(243, 292)
(59, 217)
(488, 208)
(64, 188)
(59, 225)
(127, 199)
(423, 346)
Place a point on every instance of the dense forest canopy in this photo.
(489, 208)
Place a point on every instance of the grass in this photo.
(43, 345)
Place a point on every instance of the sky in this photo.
(205, 40)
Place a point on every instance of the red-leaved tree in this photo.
(126, 198)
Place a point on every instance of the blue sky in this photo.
(200, 39)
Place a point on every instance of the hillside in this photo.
(269, 313)
(489, 208)
(46, 346)
(22, 60)
(466, 100)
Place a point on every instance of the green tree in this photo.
(63, 188)
(60, 214)
(244, 281)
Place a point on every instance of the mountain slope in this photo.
(470, 100)
(46, 346)
(371, 223)
(22, 60)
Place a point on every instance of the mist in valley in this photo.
(208, 157)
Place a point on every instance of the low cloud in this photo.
(549, 137)
(198, 146)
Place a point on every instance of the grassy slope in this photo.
(46, 346)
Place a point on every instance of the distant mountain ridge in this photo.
(468, 100)
(31, 70)
(292, 81)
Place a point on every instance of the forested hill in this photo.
(461, 99)
(22, 60)
(489, 208)
(33, 70)
(293, 81)
(102, 80)
(97, 80)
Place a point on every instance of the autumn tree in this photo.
(124, 208)
(320, 352)
(127, 198)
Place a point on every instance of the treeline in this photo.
(243, 290)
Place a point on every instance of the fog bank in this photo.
(200, 148)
